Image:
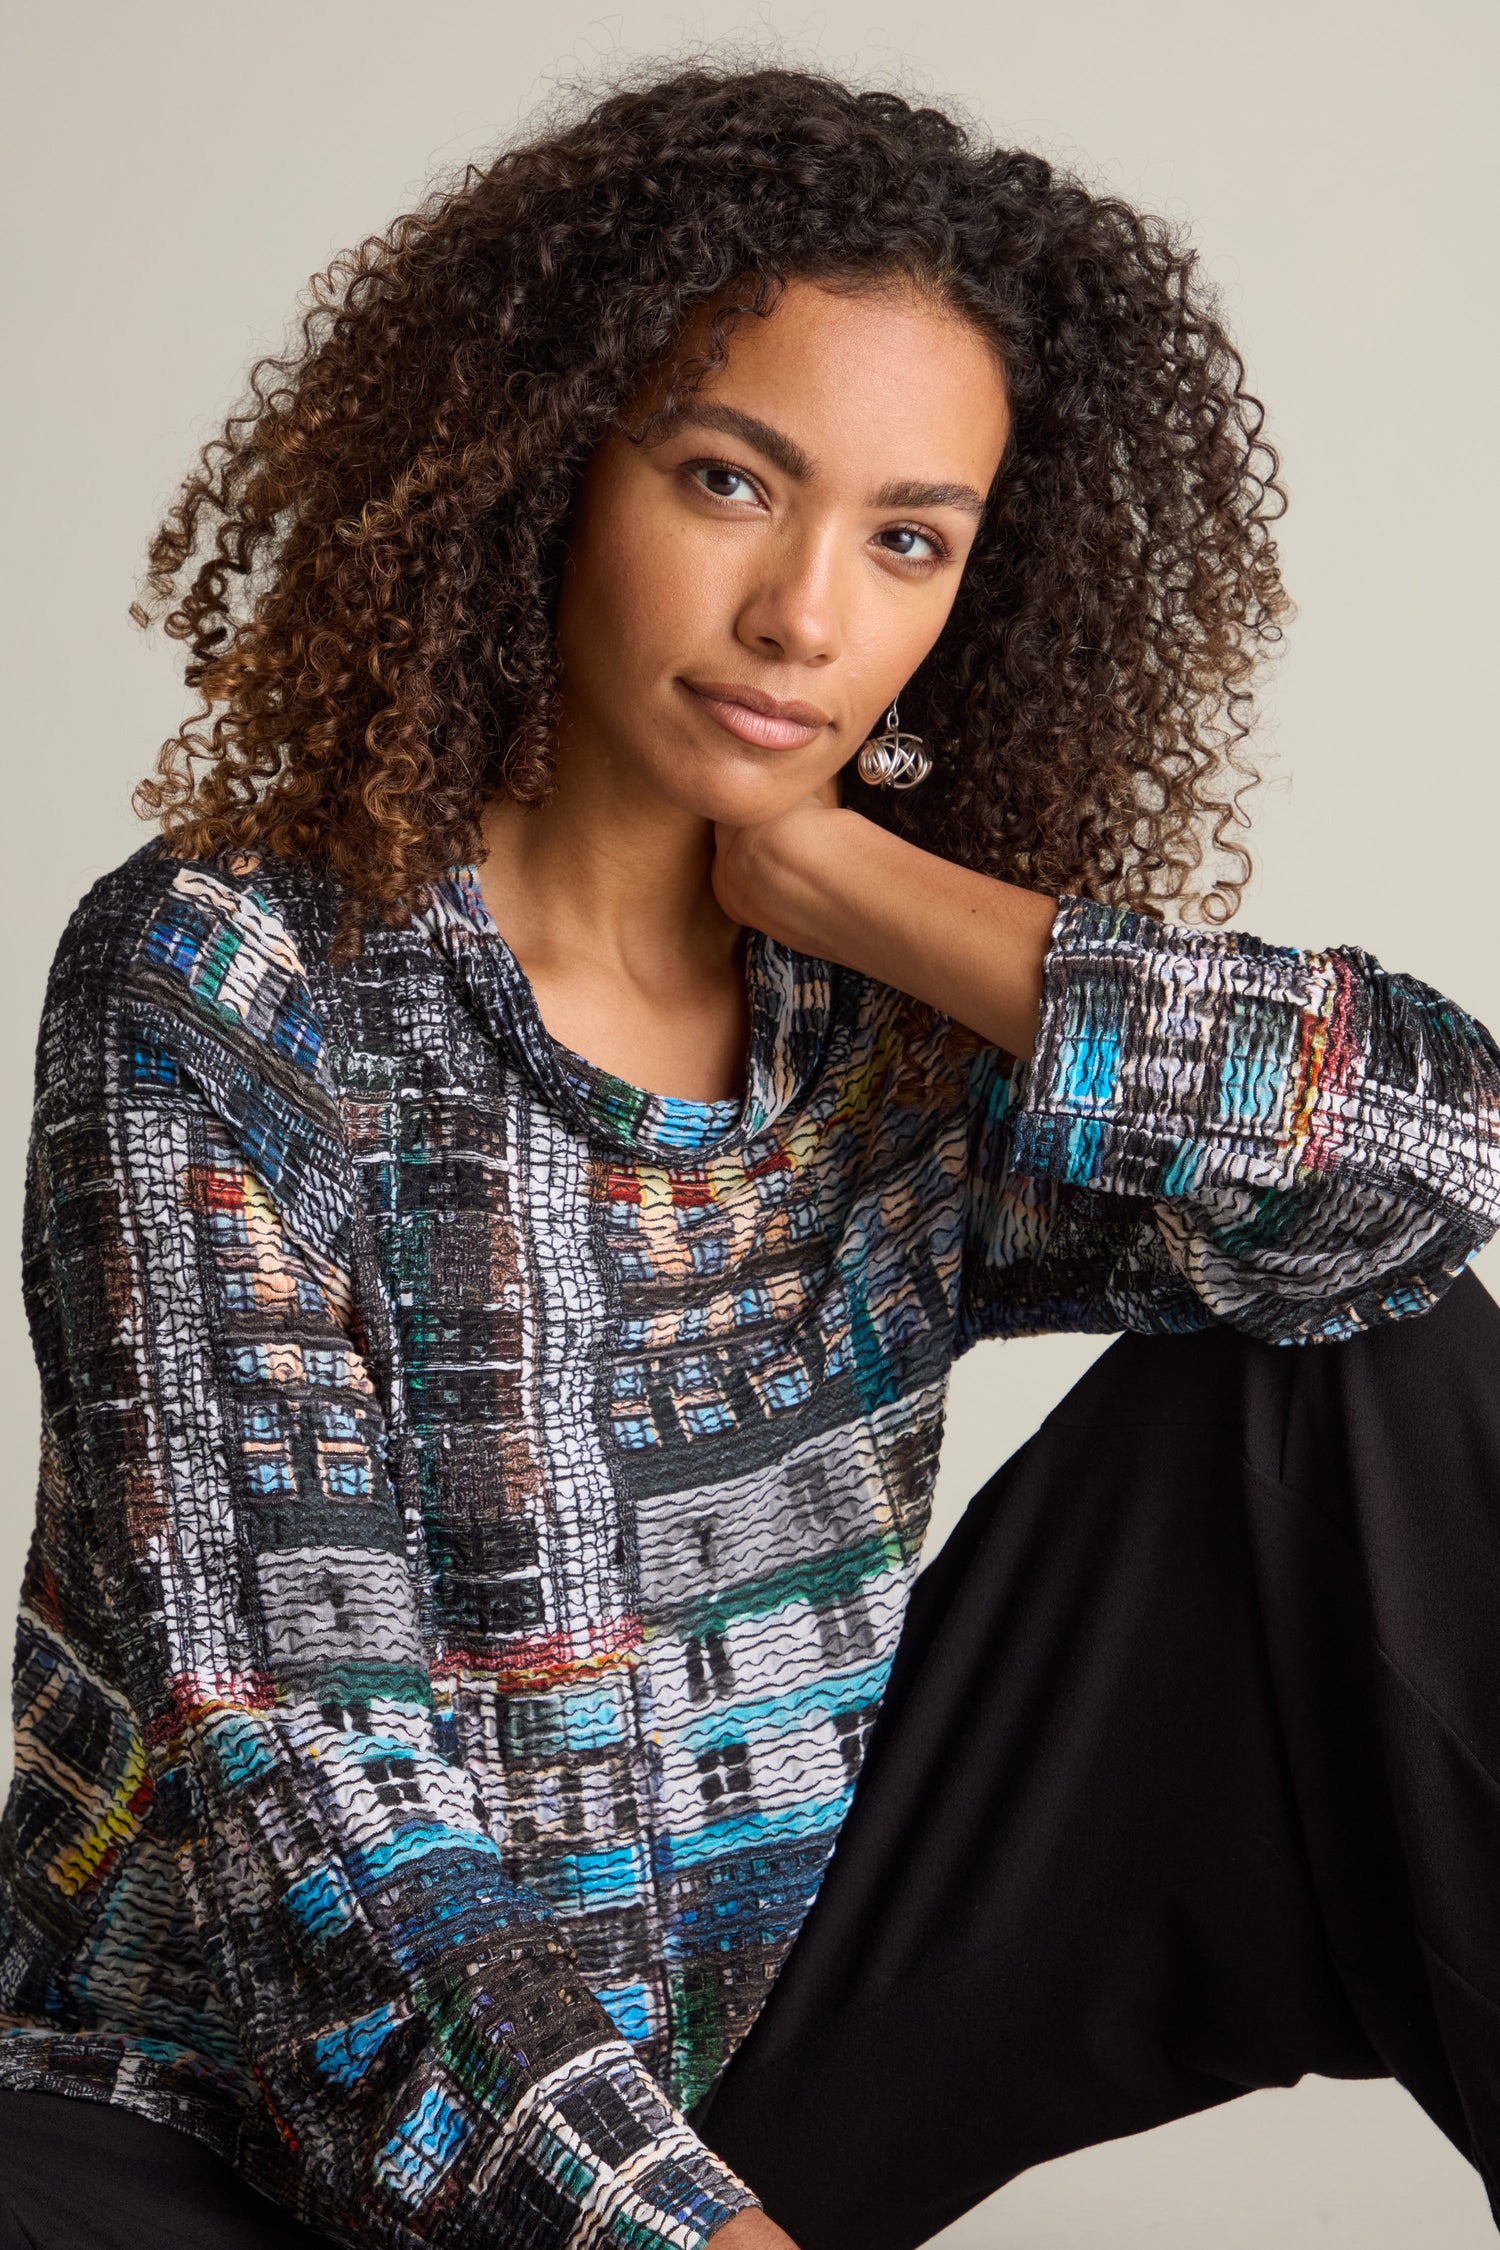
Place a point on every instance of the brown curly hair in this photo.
(365, 564)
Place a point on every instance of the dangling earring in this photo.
(893, 760)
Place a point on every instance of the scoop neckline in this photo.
(674, 1121)
(791, 1008)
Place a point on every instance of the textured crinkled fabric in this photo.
(478, 1498)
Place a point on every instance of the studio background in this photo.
(179, 170)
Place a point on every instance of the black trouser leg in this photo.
(82, 2175)
(1184, 1784)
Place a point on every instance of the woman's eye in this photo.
(912, 544)
(722, 481)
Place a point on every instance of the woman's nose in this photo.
(793, 610)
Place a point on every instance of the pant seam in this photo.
(1456, 1972)
(28, 2239)
(1434, 1713)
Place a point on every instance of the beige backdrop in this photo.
(180, 169)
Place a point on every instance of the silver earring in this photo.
(893, 760)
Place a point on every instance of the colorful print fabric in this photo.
(478, 1499)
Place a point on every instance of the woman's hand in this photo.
(751, 2230)
(828, 882)
(762, 876)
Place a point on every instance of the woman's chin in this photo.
(742, 800)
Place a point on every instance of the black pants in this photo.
(79, 2175)
(1184, 1784)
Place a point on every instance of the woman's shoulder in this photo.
(237, 885)
(230, 948)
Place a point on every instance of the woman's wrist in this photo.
(751, 2229)
(810, 877)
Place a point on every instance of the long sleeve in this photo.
(223, 1430)
(1211, 1128)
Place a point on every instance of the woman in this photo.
(710, 651)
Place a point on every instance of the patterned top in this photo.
(478, 1497)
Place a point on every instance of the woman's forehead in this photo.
(830, 377)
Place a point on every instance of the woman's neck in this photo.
(606, 903)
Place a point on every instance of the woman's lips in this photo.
(762, 719)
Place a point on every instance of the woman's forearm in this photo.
(831, 883)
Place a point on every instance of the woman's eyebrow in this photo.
(734, 422)
(790, 458)
(912, 495)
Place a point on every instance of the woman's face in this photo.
(746, 594)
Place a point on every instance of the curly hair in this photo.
(365, 563)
